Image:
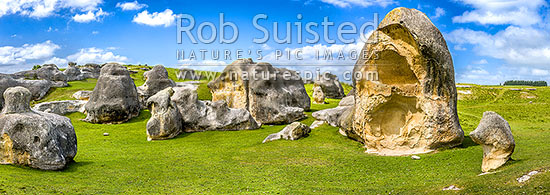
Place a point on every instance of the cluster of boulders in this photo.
(271, 95)
(155, 80)
(32, 138)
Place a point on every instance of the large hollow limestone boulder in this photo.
(210, 116)
(166, 121)
(272, 95)
(495, 135)
(405, 99)
(31, 138)
(331, 86)
(115, 98)
(155, 80)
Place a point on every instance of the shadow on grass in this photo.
(144, 115)
(75, 165)
(467, 142)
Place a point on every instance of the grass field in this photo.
(324, 163)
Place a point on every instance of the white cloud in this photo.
(439, 12)
(482, 61)
(95, 55)
(165, 18)
(517, 12)
(90, 16)
(127, 6)
(95, 32)
(360, 3)
(539, 72)
(45, 8)
(57, 61)
(266, 47)
(515, 45)
(10, 55)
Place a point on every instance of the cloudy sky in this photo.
(490, 40)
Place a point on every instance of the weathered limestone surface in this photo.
(155, 80)
(61, 107)
(82, 95)
(495, 135)
(166, 121)
(38, 88)
(31, 138)
(115, 98)
(331, 86)
(73, 73)
(318, 95)
(294, 131)
(209, 116)
(410, 106)
(272, 95)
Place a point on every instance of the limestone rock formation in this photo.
(155, 80)
(115, 98)
(82, 95)
(36, 139)
(210, 116)
(90, 71)
(272, 95)
(38, 88)
(294, 131)
(331, 86)
(318, 95)
(166, 121)
(73, 73)
(61, 107)
(495, 135)
(405, 99)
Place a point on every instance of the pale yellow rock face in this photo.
(318, 95)
(408, 106)
(232, 91)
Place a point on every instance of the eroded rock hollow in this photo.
(405, 95)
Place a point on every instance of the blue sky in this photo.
(490, 40)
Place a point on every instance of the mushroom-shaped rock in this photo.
(405, 94)
(272, 95)
(36, 139)
(318, 95)
(166, 121)
(115, 98)
(331, 86)
(294, 131)
(209, 116)
(155, 80)
(495, 135)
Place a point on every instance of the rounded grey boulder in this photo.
(36, 139)
(115, 98)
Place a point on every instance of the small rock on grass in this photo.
(524, 178)
(452, 187)
(414, 157)
(105, 134)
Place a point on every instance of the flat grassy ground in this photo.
(324, 163)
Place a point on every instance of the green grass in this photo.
(236, 162)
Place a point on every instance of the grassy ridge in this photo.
(323, 163)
